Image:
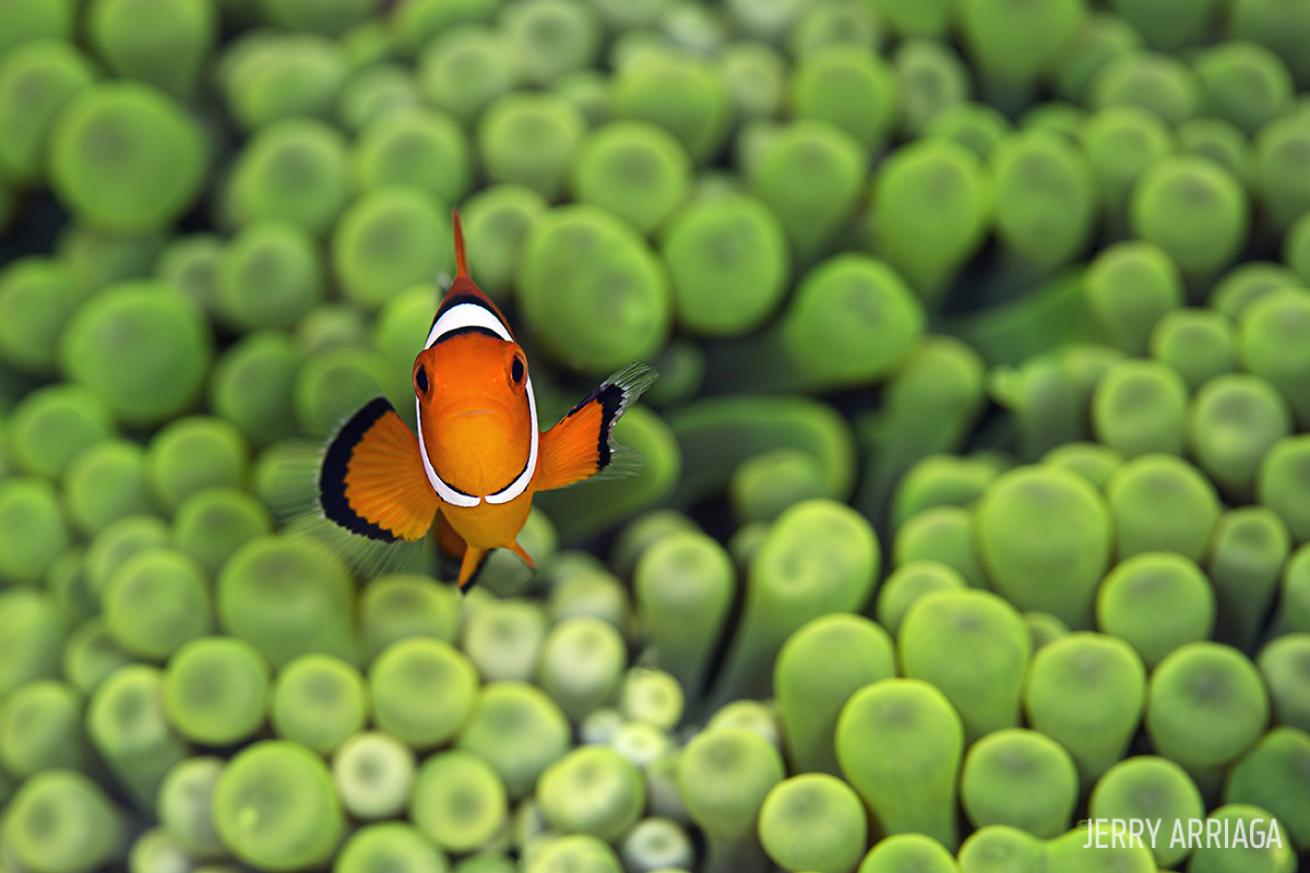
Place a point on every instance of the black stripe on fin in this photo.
(615, 395)
(332, 475)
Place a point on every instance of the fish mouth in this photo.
(475, 411)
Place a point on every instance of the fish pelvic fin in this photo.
(582, 443)
(518, 549)
(371, 481)
(451, 551)
(470, 565)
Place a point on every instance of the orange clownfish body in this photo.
(478, 456)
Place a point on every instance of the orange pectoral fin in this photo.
(570, 451)
(580, 445)
(372, 481)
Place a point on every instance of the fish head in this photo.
(476, 413)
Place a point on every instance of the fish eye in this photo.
(421, 379)
(516, 370)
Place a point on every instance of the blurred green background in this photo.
(976, 487)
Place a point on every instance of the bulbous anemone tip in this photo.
(593, 790)
(723, 775)
(813, 821)
(262, 777)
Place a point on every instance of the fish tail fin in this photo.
(371, 482)
(582, 443)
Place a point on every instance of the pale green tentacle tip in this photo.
(1020, 778)
(458, 801)
(1271, 776)
(910, 582)
(572, 853)
(274, 807)
(656, 844)
(651, 696)
(60, 821)
(592, 790)
(909, 853)
(723, 775)
(1259, 826)
(374, 775)
(1282, 663)
(1206, 706)
(813, 822)
(185, 805)
(1001, 849)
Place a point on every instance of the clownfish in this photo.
(470, 472)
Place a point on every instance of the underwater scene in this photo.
(655, 436)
